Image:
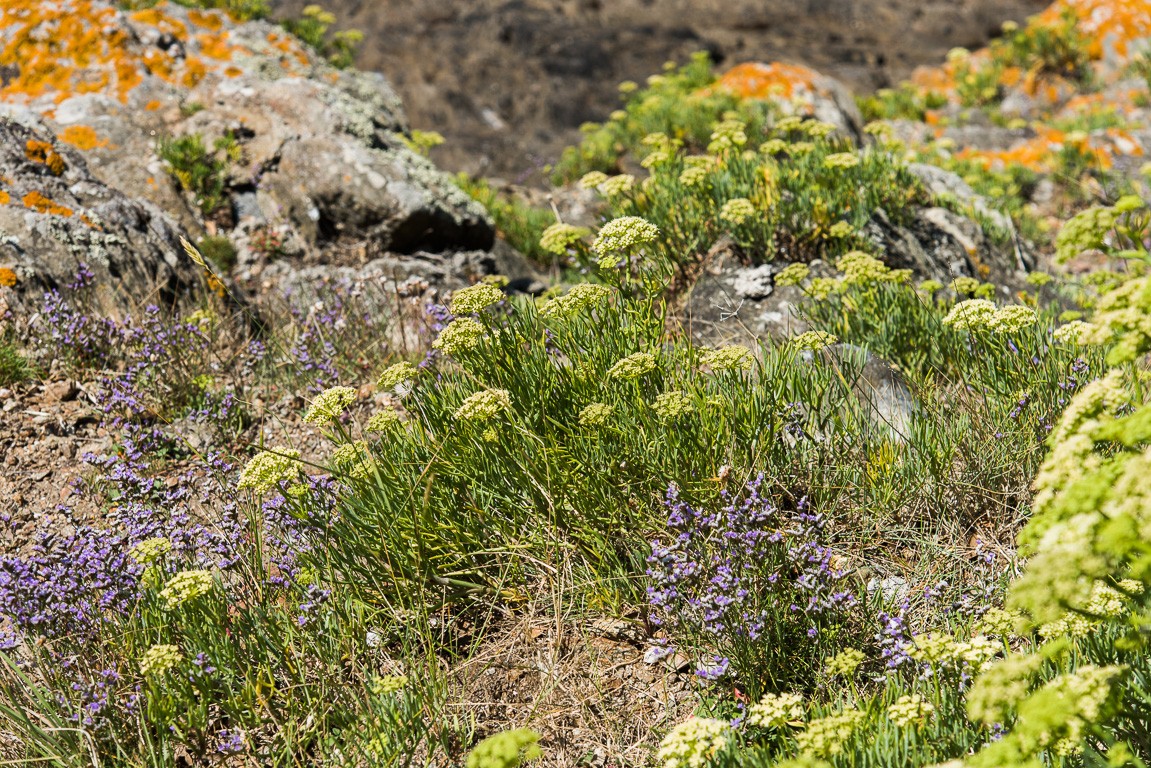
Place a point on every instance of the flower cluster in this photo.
(845, 662)
(617, 185)
(596, 415)
(382, 421)
(396, 374)
(623, 234)
(578, 299)
(814, 340)
(507, 749)
(268, 468)
(970, 314)
(461, 335)
(841, 160)
(827, 736)
(559, 236)
(860, 267)
(775, 710)
(633, 366)
(159, 659)
(693, 176)
(999, 622)
(592, 180)
(484, 406)
(672, 406)
(1012, 319)
(910, 711)
(792, 274)
(727, 134)
(729, 358)
(329, 404)
(736, 210)
(150, 550)
(822, 287)
(773, 146)
(382, 686)
(692, 743)
(1071, 333)
(185, 586)
(471, 300)
(349, 453)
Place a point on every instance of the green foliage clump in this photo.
(201, 171)
(241, 10)
(219, 250)
(13, 367)
(676, 103)
(312, 29)
(507, 749)
(905, 102)
(521, 225)
(802, 195)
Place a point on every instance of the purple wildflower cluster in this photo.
(752, 582)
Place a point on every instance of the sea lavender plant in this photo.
(750, 586)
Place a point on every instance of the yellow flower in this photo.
(329, 404)
(470, 300)
(185, 586)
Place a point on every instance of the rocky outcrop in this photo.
(56, 217)
(735, 301)
(319, 153)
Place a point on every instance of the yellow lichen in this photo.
(42, 204)
(43, 152)
(82, 137)
(7, 277)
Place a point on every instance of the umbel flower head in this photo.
(470, 300)
(559, 236)
(964, 285)
(149, 550)
(736, 210)
(841, 160)
(159, 659)
(185, 586)
(1012, 319)
(672, 406)
(596, 415)
(860, 267)
(617, 185)
(775, 711)
(970, 314)
(505, 750)
(579, 298)
(623, 234)
(693, 176)
(267, 468)
(773, 146)
(692, 743)
(845, 662)
(827, 736)
(910, 710)
(349, 452)
(381, 686)
(592, 180)
(792, 274)
(460, 335)
(382, 421)
(484, 406)
(1071, 333)
(396, 374)
(633, 366)
(329, 404)
(729, 358)
(814, 340)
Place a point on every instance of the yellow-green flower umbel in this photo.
(470, 300)
(329, 404)
(396, 374)
(159, 659)
(267, 468)
(185, 586)
(484, 406)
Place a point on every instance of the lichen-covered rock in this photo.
(319, 149)
(56, 216)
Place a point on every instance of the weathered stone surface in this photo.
(55, 215)
(322, 151)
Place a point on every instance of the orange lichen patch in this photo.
(4, 197)
(70, 47)
(287, 45)
(194, 72)
(233, 71)
(43, 152)
(153, 105)
(760, 81)
(215, 46)
(41, 204)
(90, 223)
(205, 19)
(1037, 154)
(7, 277)
(82, 137)
(154, 17)
(1117, 22)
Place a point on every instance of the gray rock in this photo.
(888, 403)
(52, 223)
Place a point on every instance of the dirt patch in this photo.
(508, 82)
